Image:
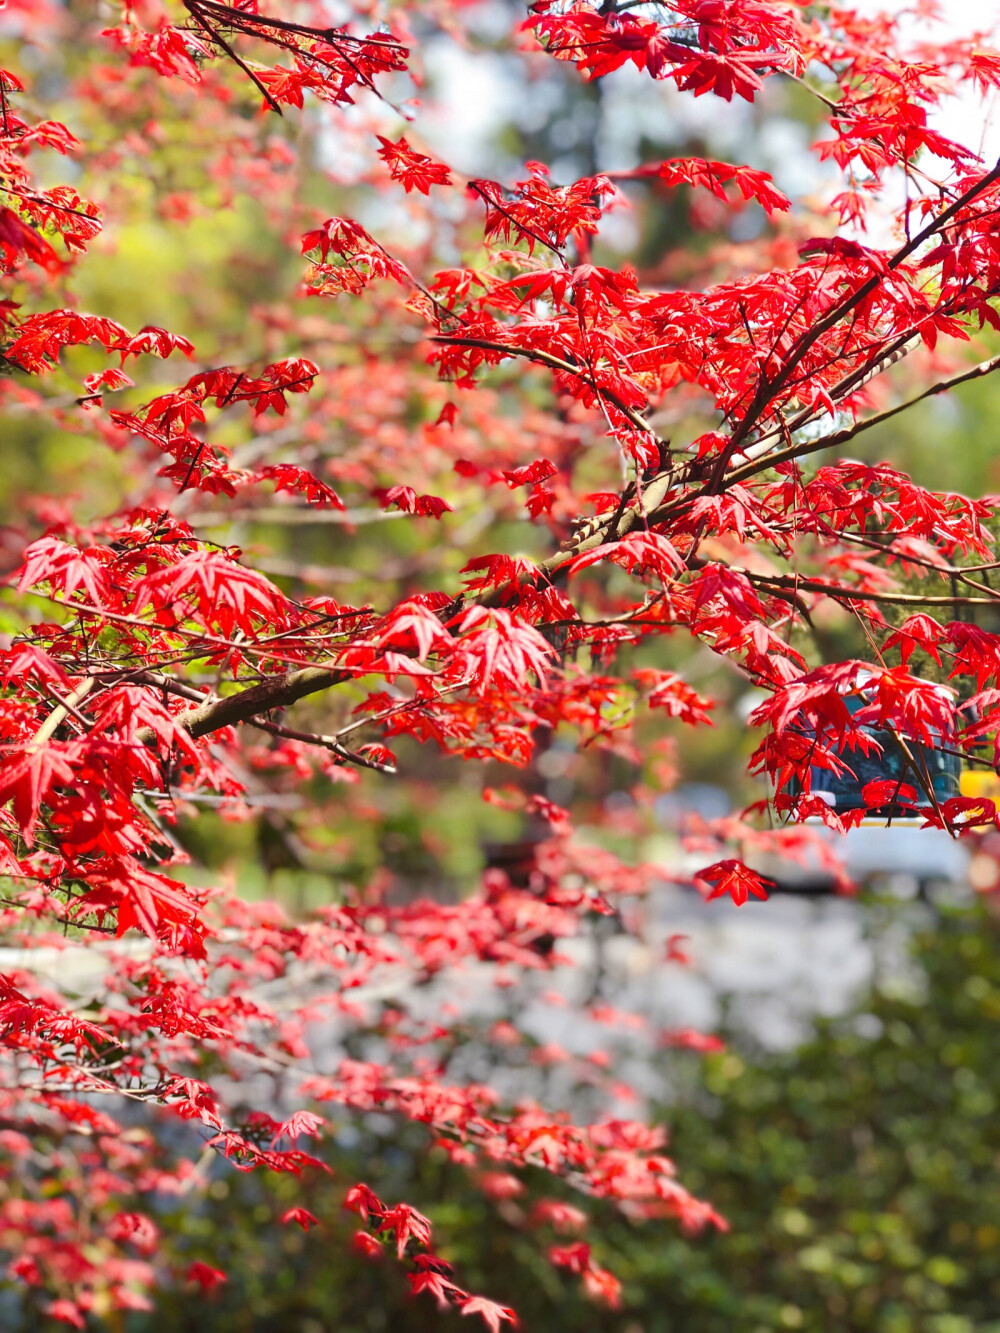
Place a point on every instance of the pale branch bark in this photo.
(752, 468)
(795, 583)
(886, 357)
(853, 299)
(596, 532)
(59, 714)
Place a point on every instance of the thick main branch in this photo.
(275, 692)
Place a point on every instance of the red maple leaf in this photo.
(207, 1277)
(415, 170)
(493, 1314)
(734, 878)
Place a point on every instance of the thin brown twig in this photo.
(326, 742)
(554, 363)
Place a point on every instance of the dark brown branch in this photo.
(217, 37)
(327, 742)
(275, 692)
(248, 22)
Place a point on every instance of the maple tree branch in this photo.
(766, 462)
(281, 692)
(215, 36)
(159, 680)
(647, 503)
(795, 582)
(59, 714)
(64, 920)
(476, 189)
(403, 706)
(327, 743)
(853, 299)
(960, 572)
(554, 363)
(849, 432)
(264, 28)
(885, 356)
(245, 19)
(247, 705)
(49, 204)
(258, 647)
(275, 692)
(768, 388)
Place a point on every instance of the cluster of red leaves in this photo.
(327, 62)
(714, 177)
(402, 1225)
(415, 170)
(168, 421)
(31, 215)
(718, 46)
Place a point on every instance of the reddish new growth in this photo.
(153, 673)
